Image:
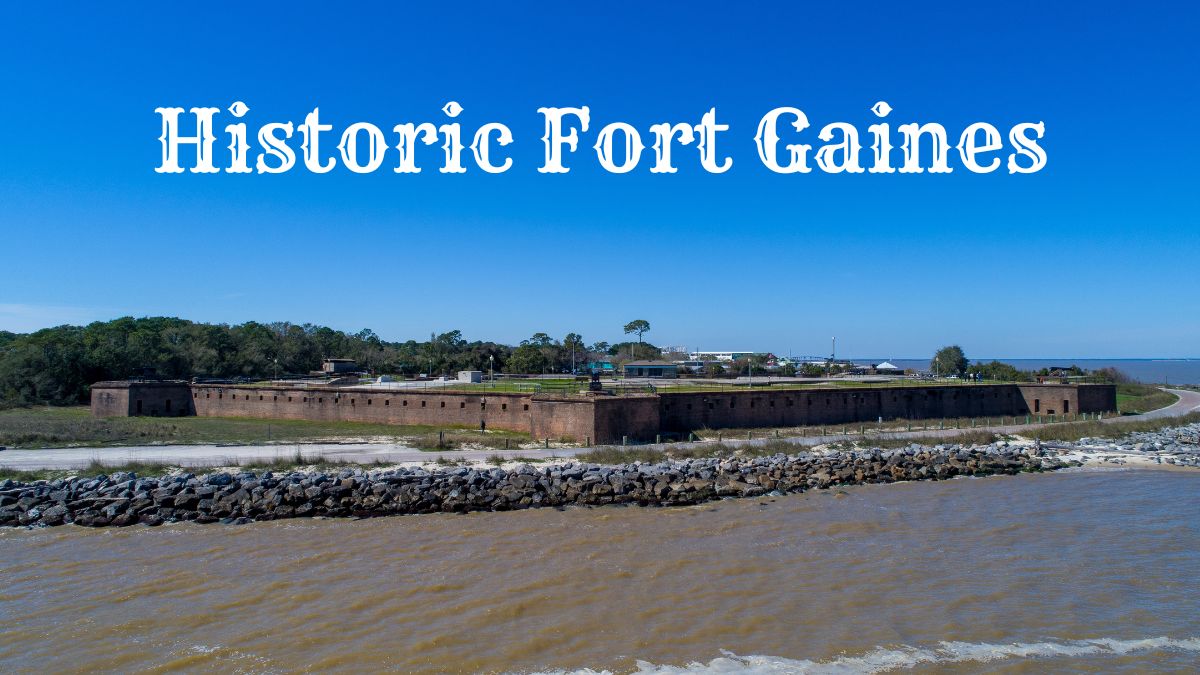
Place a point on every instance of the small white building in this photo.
(888, 368)
(472, 376)
(719, 356)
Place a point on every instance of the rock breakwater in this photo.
(123, 499)
(1179, 446)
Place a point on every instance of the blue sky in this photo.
(1093, 256)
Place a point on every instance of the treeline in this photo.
(1006, 372)
(57, 365)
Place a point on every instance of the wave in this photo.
(885, 659)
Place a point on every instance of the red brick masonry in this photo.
(600, 418)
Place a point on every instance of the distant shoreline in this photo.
(1147, 370)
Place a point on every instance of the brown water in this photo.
(1077, 571)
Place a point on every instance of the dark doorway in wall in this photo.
(1066, 406)
(167, 405)
(1037, 405)
(139, 406)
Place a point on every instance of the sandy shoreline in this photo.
(237, 495)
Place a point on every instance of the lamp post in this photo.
(492, 369)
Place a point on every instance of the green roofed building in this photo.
(651, 369)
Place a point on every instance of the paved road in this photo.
(1189, 401)
(225, 455)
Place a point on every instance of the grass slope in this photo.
(1139, 398)
(44, 427)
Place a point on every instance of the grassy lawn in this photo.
(1077, 430)
(569, 385)
(1140, 398)
(684, 386)
(557, 385)
(42, 427)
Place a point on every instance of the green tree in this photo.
(949, 361)
(1111, 374)
(574, 340)
(527, 358)
(999, 371)
(549, 349)
(574, 351)
(638, 326)
(636, 351)
(812, 370)
(57, 365)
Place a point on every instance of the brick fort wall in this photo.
(783, 408)
(149, 398)
(599, 419)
